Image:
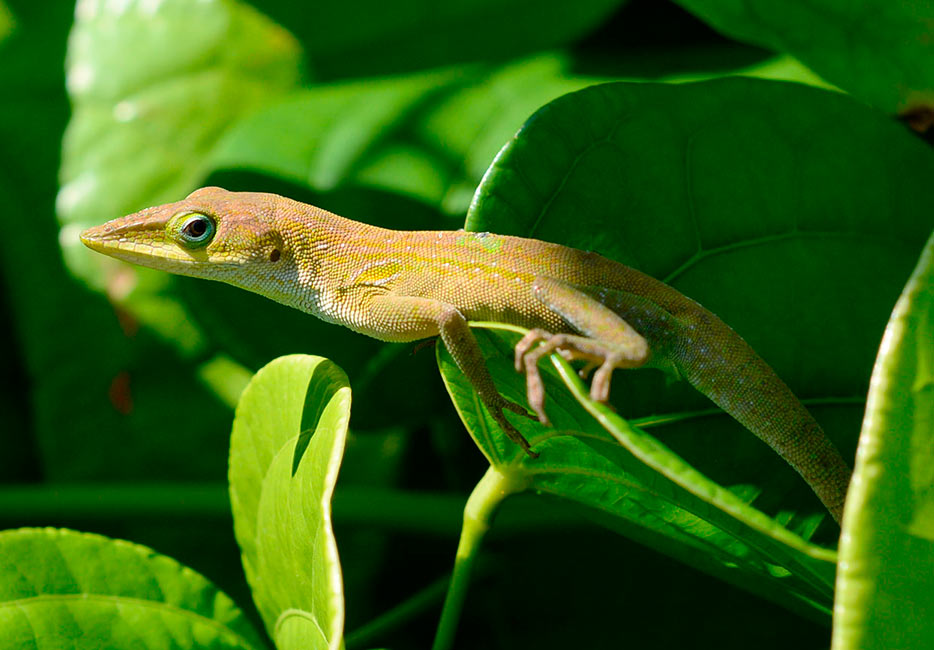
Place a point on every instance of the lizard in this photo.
(411, 285)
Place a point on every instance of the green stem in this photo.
(423, 513)
(482, 504)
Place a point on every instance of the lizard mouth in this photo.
(149, 247)
(145, 247)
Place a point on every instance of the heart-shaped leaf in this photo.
(787, 224)
(796, 227)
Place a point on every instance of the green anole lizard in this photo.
(410, 285)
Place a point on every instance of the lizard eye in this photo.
(196, 230)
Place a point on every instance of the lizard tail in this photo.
(735, 378)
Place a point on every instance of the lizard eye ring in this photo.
(196, 230)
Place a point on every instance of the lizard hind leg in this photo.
(605, 341)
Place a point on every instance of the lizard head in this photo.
(212, 233)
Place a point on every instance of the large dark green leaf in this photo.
(285, 452)
(63, 589)
(886, 579)
(796, 227)
(879, 50)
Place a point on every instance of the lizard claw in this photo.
(496, 410)
(513, 434)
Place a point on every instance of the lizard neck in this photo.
(329, 252)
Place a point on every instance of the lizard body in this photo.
(410, 285)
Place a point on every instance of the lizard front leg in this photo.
(608, 341)
(414, 318)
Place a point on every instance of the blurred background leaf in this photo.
(367, 37)
(7, 24)
(876, 50)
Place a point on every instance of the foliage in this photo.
(794, 206)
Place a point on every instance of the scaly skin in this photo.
(405, 286)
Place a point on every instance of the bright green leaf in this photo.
(886, 579)
(64, 589)
(879, 50)
(194, 67)
(153, 86)
(285, 452)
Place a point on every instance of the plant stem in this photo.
(496, 485)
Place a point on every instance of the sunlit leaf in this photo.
(886, 579)
(286, 449)
(60, 588)
(157, 84)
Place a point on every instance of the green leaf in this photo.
(878, 50)
(886, 578)
(796, 227)
(429, 135)
(195, 67)
(641, 488)
(7, 21)
(157, 84)
(64, 589)
(285, 452)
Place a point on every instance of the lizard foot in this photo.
(496, 410)
(597, 354)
